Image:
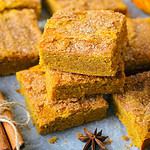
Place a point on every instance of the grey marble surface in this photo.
(67, 139)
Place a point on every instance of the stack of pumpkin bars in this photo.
(84, 53)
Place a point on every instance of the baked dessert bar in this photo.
(137, 57)
(19, 35)
(84, 42)
(49, 117)
(20, 4)
(116, 5)
(62, 85)
(133, 108)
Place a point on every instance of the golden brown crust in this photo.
(49, 117)
(18, 41)
(88, 42)
(21, 4)
(116, 5)
(137, 57)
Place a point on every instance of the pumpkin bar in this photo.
(133, 108)
(63, 85)
(116, 5)
(19, 35)
(84, 42)
(49, 117)
(137, 56)
(20, 4)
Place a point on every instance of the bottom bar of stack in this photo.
(133, 108)
(48, 116)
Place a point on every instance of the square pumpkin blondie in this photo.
(116, 5)
(20, 4)
(137, 54)
(133, 108)
(84, 42)
(63, 85)
(19, 35)
(49, 117)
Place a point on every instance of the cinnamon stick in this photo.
(4, 143)
(8, 128)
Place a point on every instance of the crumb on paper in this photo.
(125, 138)
(65, 142)
(18, 91)
(128, 147)
(116, 126)
(109, 141)
(79, 135)
(53, 140)
(131, 145)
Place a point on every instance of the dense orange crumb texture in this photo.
(20, 4)
(133, 108)
(88, 42)
(62, 85)
(49, 117)
(19, 36)
(137, 56)
(116, 5)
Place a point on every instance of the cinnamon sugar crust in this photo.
(116, 5)
(133, 108)
(21, 4)
(137, 54)
(18, 41)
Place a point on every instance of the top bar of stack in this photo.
(84, 42)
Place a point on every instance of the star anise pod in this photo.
(93, 140)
